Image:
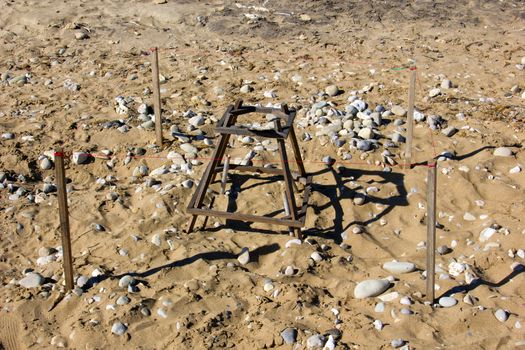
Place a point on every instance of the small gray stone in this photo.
(162, 312)
(449, 131)
(380, 307)
(247, 140)
(399, 111)
(329, 161)
(503, 152)
(59, 341)
(434, 92)
(119, 328)
(70, 85)
(289, 271)
(188, 148)
(187, 183)
(46, 164)
(31, 280)
(446, 84)
(315, 341)
(289, 335)
(81, 35)
(370, 288)
(80, 157)
(397, 343)
(398, 138)
(156, 239)
(501, 315)
(399, 267)
(126, 281)
(359, 105)
(123, 300)
(332, 90)
(447, 301)
(443, 250)
(316, 257)
(196, 121)
(81, 281)
(246, 89)
(365, 133)
(359, 199)
(244, 257)
(145, 311)
(406, 311)
(364, 145)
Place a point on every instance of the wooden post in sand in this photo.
(156, 95)
(64, 218)
(431, 230)
(410, 118)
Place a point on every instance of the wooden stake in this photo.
(156, 95)
(64, 218)
(410, 118)
(225, 174)
(431, 231)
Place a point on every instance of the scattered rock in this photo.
(59, 341)
(31, 280)
(80, 157)
(316, 257)
(46, 164)
(397, 343)
(123, 300)
(82, 281)
(449, 131)
(332, 90)
(501, 315)
(486, 233)
(370, 288)
(81, 35)
(447, 301)
(162, 312)
(196, 121)
(434, 92)
(156, 239)
(515, 170)
(246, 89)
(503, 152)
(244, 257)
(399, 111)
(315, 341)
(119, 328)
(126, 281)
(399, 267)
(446, 84)
(188, 148)
(289, 335)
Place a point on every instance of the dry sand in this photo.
(208, 52)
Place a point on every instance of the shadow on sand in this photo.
(208, 256)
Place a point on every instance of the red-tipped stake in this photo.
(156, 95)
(64, 218)
(410, 118)
(431, 230)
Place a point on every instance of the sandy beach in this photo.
(77, 75)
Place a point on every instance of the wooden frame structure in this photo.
(296, 216)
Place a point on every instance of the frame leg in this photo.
(296, 152)
(192, 223)
(206, 217)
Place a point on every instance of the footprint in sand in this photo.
(9, 328)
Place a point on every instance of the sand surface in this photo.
(208, 51)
